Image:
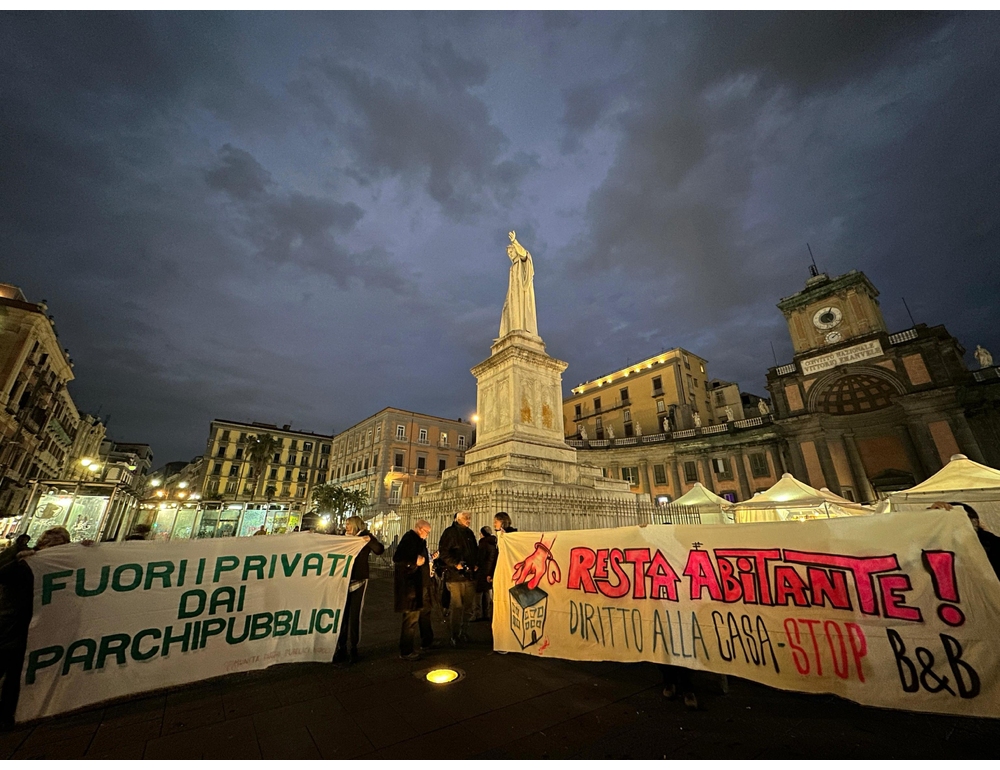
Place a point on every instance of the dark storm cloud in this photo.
(303, 217)
(837, 129)
(430, 130)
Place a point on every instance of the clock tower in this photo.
(830, 311)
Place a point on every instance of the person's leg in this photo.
(13, 661)
(357, 605)
(468, 602)
(426, 628)
(406, 633)
(488, 604)
(455, 609)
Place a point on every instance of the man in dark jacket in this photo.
(459, 552)
(350, 627)
(486, 564)
(989, 541)
(411, 589)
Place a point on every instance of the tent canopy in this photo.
(789, 492)
(699, 495)
(958, 475)
(790, 498)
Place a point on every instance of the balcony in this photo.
(781, 371)
(904, 336)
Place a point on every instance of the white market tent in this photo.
(791, 499)
(712, 508)
(961, 481)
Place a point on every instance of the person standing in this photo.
(350, 626)
(412, 589)
(459, 552)
(486, 564)
(16, 607)
(502, 523)
(989, 541)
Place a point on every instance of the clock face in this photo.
(827, 317)
(832, 337)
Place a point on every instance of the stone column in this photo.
(776, 461)
(798, 461)
(827, 466)
(919, 473)
(706, 468)
(644, 485)
(861, 483)
(926, 448)
(741, 469)
(966, 439)
(675, 480)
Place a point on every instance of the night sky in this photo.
(303, 217)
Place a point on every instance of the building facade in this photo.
(38, 419)
(859, 410)
(864, 411)
(392, 453)
(666, 392)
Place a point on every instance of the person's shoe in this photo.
(690, 701)
(435, 645)
(670, 692)
(411, 656)
(340, 659)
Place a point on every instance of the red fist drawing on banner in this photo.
(540, 564)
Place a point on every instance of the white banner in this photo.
(897, 610)
(115, 619)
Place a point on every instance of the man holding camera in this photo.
(459, 551)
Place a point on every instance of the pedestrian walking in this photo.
(459, 552)
(16, 602)
(486, 564)
(412, 589)
(350, 625)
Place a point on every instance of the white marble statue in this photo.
(762, 407)
(697, 420)
(519, 307)
(638, 429)
(666, 425)
(984, 357)
(583, 432)
(729, 413)
(611, 433)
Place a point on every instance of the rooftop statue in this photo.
(519, 307)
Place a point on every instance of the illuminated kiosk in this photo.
(521, 462)
(96, 510)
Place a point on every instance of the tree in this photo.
(339, 501)
(259, 451)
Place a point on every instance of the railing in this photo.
(990, 373)
(786, 369)
(904, 336)
(397, 469)
(423, 441)
(725, 427)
